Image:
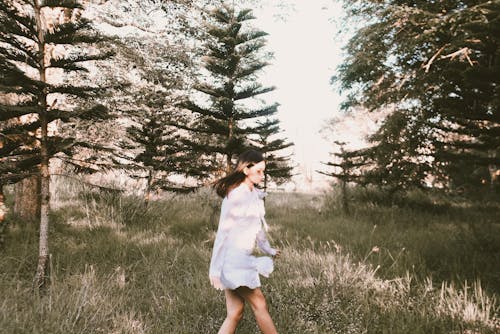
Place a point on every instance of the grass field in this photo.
(425, 265)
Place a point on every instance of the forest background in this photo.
(117, 115)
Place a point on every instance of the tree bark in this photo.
(265, 182)
(43, 255)
(27, 199)
(147, 196)
(3, 212)
(345, 203)
(229, 154)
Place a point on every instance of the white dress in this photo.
(241, 225)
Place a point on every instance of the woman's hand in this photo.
(216, 283)
(277, 254)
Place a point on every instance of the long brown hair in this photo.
(232, 180)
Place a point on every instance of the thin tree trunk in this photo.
(27, 199)
(43, 256)
(229, 163)
(345, 203)
(265, 181)
(3, 212)
(229, 154)
(147, 196)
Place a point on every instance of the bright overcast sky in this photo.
(306, 54)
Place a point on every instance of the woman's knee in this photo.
(255, 298)
(235, 314)
(259, 304)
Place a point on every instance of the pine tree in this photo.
(32, 31)
(160, 153)
(223, 128)
(158, 59)
(350, 163)
(14, 144)
(153, 143)
(278, 167)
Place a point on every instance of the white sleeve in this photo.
(225, 225)
(263, 243)
(232, 208)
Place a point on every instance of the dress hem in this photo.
(250, 287)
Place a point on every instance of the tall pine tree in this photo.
(234, 58)
(163, 68)
(160, 154)
(32, 33)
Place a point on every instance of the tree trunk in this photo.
(345, 203)
(147, 195)
(3, 212)
(27, 199)
(229, 154)
(43, 255)
(265, 182)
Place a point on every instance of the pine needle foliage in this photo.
(234, 57)
(347, 168)
(27, 69)
(278, 166)
(161, 154)
(32, 32)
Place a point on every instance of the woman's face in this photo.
(255, 174)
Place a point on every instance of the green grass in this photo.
(461, 243)
(121, 267)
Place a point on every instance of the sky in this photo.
(306, 51)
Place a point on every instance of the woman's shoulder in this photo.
(261, 193)
(237, 192)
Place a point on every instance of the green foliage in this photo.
(395, 163)
(222, 128)
(161, 67)
(28, 90)
(434, 64)
(278, 167)
(348, 163)
(161, 154)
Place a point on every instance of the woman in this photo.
(232, 267)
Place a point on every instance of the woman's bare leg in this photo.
(234, 305)
(259, 307)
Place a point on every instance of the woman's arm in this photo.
(219, 251)
(263, 243)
